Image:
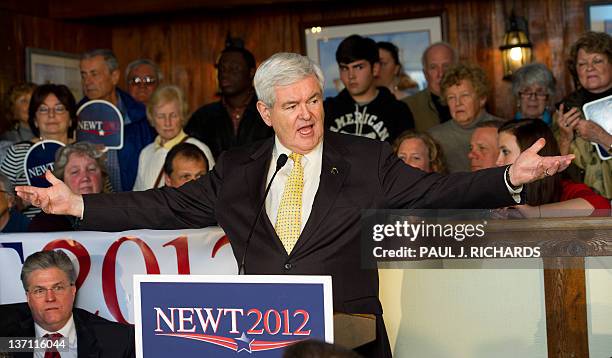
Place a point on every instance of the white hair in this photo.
(439, 44)
(282, 69)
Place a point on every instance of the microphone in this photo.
(280, 162)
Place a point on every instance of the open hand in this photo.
(529, 166)
(57, 199)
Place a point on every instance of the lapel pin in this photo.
(334, 170)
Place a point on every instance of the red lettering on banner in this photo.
(109, 287)
(182, 254)
(219, 244)
(306, 317)
(79, 251)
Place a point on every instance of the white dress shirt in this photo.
(152, 157)
(311, 163)
(69, 331)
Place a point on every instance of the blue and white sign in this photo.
(40, 158)
(229, 315)
(100, 122)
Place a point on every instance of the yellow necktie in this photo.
(289, 218)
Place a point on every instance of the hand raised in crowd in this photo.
(57, 199)
(592, 132)
(529, 166)
(567, 122)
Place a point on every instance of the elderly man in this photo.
(143, 77)
(48, 278)
(312, 222)
(233, 121)
(427, 107)
(184, 162)
(483, 145)
(99, 77)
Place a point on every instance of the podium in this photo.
(221, 315)
(354, 330)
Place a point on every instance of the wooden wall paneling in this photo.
(186, 46)
(21, 31)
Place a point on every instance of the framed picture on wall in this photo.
(598, 16)
(44, 66)
(411, 36)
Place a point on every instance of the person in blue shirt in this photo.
(99, 78)
(11, 220)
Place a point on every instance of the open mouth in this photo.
(306, 130)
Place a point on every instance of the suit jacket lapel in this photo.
(87, 344)
(334, 171)
(256, 175)
(256, 172)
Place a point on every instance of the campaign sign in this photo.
(600, 112)
(100, 122)
(229, 315)
(40, 158)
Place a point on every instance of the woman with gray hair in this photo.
(167, 112)
(81, 166)
(534, 88)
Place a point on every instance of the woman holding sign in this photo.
(167, 112)
(590, 64)
(52, 116)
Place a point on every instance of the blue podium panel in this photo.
(229, 316)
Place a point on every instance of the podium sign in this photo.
(40, 158)
(100, 122)
(227, 316)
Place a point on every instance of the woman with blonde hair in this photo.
(167, 112)
(421, 151)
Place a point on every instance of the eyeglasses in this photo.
(538, 95)
(143, 81)
(40, 292)
(45, 111)
(459, 99)
(596, 62)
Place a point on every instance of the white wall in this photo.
(483, 312)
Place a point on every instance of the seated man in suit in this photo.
(311, 224)
(48, 278)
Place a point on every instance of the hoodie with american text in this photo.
(384, 118)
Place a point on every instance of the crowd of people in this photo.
(327, 174)
(443, 128)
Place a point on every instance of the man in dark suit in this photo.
(48, 278)
(335, 176)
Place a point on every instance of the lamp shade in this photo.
(516, 50)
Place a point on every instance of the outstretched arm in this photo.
(57, 199)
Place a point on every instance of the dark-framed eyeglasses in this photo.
(538, 95)
(143, 81)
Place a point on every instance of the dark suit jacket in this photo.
(96, 336)
(367, 175)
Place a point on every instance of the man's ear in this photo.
(264, 112)
(115, 77)
(376, 69)
(167, 180)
